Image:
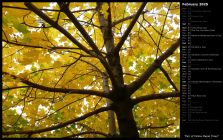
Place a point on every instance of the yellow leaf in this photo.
(104, 9)
(158, 5)
(64, 38)
(57, 64)
(41, 112)
(41, 4)
(7, 78)
(23, 75)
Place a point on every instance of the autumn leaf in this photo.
(20, 28)
(77, 75)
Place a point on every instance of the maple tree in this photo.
(90, 69)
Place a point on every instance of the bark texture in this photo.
(111, 114)
(122, 104)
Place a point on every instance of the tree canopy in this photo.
(87, 69)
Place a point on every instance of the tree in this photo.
(90, 69)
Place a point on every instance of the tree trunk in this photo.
(111, 114)
(113, 60)
(111, 121)
(122, 103)
(126, 122)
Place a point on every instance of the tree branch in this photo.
(52, 10)
(10, 88)
(168, 78)
(56, 26)
(65, 8)
(155, 127)
(35, 46)
(68, 35)
(62, 90)
(158, 45)
(126, 18)
(88, 132)
(60, 125)
(128, 30)
(156, 64)
(162, 95)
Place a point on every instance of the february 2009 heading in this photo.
(194, 4)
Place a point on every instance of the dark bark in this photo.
(113, 59)
(121, 101)
(127, 124)
(126, 121)
(161, 95)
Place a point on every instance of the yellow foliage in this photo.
(41, 4)
(104, 10)
(54, 61)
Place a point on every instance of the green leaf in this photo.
(170, 61)
(59, 115)
(33, 68)
(11, 112)
(162, 85)
(20, 27)
(157, 70)
(72, 126)
(10, 97)
(4, 20)
(81, 78)
(26, 39)
(163, 120)
(5, 91)
(130, 63)
(150, 60)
